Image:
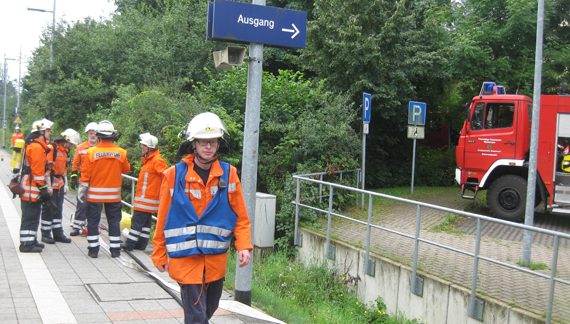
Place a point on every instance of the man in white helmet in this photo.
(146, 197)
(17, 135)
(201, 205)
(34, 169)
(100, 184)
(80, 153)
(52, 218)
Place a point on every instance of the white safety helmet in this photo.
(71, 136)
(41, 125)
(148, 140)
(91, 126)
(106, 129)
(205, 125)
(17, 128)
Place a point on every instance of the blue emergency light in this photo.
(487, 88)
(501, 90)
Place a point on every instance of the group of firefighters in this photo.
(198, 202)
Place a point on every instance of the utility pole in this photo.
(249, 159)
(4, 115)
(533, 152)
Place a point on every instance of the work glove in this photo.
(48, 184)
(65, 187)
(74, 180)
(82, 191)
(44, 194)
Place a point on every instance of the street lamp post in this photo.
(52, 31)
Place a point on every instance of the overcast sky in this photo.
(20, 27)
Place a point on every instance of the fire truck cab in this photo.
(493, 151)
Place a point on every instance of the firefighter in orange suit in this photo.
(17, 135)
(146, 198)
(100, 183)
(52, 219)
(80, 153)
(34, 183)
(201, 205)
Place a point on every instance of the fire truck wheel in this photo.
(506, 198)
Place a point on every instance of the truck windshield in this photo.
(494, 115)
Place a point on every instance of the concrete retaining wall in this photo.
(442, 302)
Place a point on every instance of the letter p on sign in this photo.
(417, 113)
(366, 107)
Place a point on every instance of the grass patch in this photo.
(449, 224)
(295, 293)
(479, 205)
(533, 266)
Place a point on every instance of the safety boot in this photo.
(75, 232)
(115, 253)
(38, 244)
(30, 248)
(93, 254)
(48, 240)
(62, 238)
(126, 246)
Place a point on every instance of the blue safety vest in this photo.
(187, 234)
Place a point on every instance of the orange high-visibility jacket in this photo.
(102, 170)
(191, 269)
(36, 158)
(80, 154)
(148, 185)
(59, 168)
(16, 136)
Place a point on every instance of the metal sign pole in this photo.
(413, 165)
(363, 164)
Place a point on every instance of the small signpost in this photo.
(366, 112)
(416, 124)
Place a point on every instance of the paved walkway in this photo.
(499, 242)
(63, 285)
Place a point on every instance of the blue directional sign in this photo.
(240, 22)
(417, 113)
(366, 107)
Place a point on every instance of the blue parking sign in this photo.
(417, 113)
(366, 107)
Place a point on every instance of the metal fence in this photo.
(475, 305)
(133, 190)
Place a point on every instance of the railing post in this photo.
(321, 189)
(330, 249)
(357, 186)
(132, 197)
(370, 264)
(476, 305)
(417, 283)
(298, 238)
(552, 282)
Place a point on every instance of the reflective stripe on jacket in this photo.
(148, 185)
(199, 268)
(36, 159)
(187, 234)
(102, 171)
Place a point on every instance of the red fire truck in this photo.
(493, 151)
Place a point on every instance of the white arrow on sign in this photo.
(295, 30)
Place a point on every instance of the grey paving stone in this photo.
(163, 321)
(8, 316)
(145, 305)
(116, 306)
(25, 313)
(92, 318)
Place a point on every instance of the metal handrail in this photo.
(133, 186)
(475, 306)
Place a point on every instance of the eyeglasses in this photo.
(213, 143)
